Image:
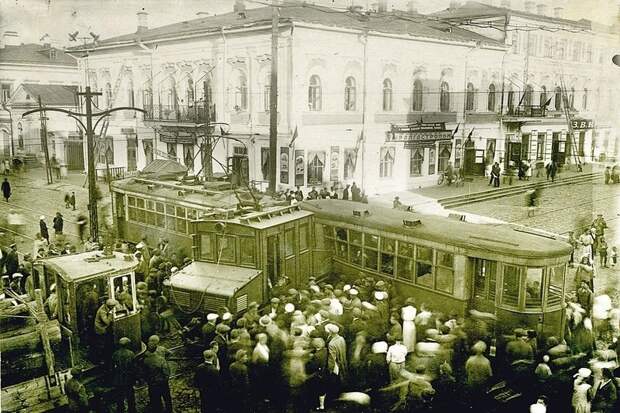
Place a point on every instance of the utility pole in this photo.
(206, 148)
(273, 100)
(89, 129)
(43, 117)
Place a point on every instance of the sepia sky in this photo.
(32, 19)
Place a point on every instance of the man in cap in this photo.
(239, 383)
(478, 369)
(221, 338)
(156, 373)
(519, 349)
(77, 396)
(337, 357)
(274, 308)
(209, 383)
(103, 328)
(43, 229)
(16, 283)
(252, 315)
(162, 351)
(123, 376)
(208, 329)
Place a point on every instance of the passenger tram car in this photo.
(240, 254)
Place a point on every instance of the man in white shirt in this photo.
(396, 357)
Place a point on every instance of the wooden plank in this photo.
(30, 338)
(49, 355)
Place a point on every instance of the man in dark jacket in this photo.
(606, 394)
(11, 261)
(76, 393)
(123, 376)
(239, 383)
(58, 223)
(6, 189)
(209, 383)
(43, 229)
(156, 373)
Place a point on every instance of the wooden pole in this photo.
(48, 168)
(273, 101)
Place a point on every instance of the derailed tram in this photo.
(514, 274)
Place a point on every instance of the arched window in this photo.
(543, 96)
(108, 94)
(491, 98)
(527, 99)
(510, 103)
(267, 93)
(387, 95)
(314, 93)
(170, 94)
(444, 97)
(584, 99)
(469, 97)
(130, 94)
(190, 91)
(349, 94)
(241, 92)
(147, 95)
(418, 95)
(558, 98)
(571, 98)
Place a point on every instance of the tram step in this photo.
(460, 200)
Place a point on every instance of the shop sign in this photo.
(580, 124)
(175, 137)
(419, 133)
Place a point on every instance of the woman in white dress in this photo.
(581, 391)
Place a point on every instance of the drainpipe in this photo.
(11, 126)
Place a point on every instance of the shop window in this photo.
(206, 247)
(247, 250)
(431, 161)
(314, 94)
(386, 161)
(303, 237)
(416, 159)
(387, 95)
(316, 166)
(491, 98)
(458, 150)
(350, 94)
(485, 276)
(555, 295)
(418, 95)
(533, 288)
(469, 97)
(226, 249)
(511, 286)
(424, 266)
(289, 242)
(444, 97)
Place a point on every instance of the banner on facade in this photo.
(284, 162)
(581, 124)
(316, 166)
(300, 167)
(334, 163)
(418, 133)
(176, 137)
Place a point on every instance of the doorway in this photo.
(514, 154)
(557, 149)
(485, 285)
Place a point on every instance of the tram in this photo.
(515, 273)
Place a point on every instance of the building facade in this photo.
(28, 71)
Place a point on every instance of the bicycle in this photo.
(457, 180)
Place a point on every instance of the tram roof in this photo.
(269, 217)
(501, 238)
(75, 267)
(222, 280)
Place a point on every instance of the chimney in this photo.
(9, 38)
(239, 6)
(412, 7)
(143, 21)
(528, 6)
(541, 9)
(558, 12)
(505, 4)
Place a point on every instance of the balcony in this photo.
(195, 114)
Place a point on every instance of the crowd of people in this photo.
(349, 192)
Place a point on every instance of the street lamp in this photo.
(90, 136)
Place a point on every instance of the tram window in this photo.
(424, 266)
(140, 215)
(370, 259)
(556, 285)
(511, 286)
(424, 254)
(404, 270)
(150, 205)
(356, 237)
(356, 255)
(341, 234)
(533, 287)
(131, 214)
(131, 201)
(159, 207)
(289, 242)
(181, 225)
(181, 212)
(405, 249)
(151, 218)
(328, 231)
(246, 249)
(169, 209)
(123, 294)
(170, 223)
(387, 263)
(371, 241)
(341, 249)
(444, 272)
(140, 203)
(303, 237)
(388, 245)
(206, 246)
(226, 248)
(485, 279)
(160, 220)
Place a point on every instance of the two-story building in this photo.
(27, 72)
(376, 98)
(559, 83)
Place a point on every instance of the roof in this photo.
(474, 9)
(163, 167)
(268, 217)
(500, 238)
(391, 23)
(217, 279)
(35, 54)
(52, 95)
(75, 267)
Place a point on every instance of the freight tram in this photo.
(516, 274)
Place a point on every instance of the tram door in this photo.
(484, 285)
(273, 259)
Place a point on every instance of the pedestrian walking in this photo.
(58, 223)
(552, 169)
(43, 229)
(345, 193)
(67, 201)
(72, 200)
(495, 173)
(123, 376)
(6, 189)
